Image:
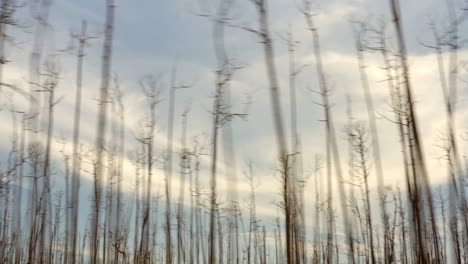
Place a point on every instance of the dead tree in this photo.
(101, 129)
(137, 162)
(252, 216)
(112, 217)
(198, 151)
(221, 114)
(19, 193)
(297, 180)
(45, 202)
(184, 166)
(375, 143)
(7, 190)
(40, 15)
(168, 169)
(359, 141)
(449, 85)
(422, 192)
(264, 34)
(151, 90)
(317, 236)
(75, 177)
(330, 131)
(119, 231)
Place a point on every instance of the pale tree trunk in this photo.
(101, 131)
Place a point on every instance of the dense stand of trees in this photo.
(42, 222)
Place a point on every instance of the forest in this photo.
(233, 131)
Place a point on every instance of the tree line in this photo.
(40, 222)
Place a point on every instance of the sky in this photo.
(151, 36)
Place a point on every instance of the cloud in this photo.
(151, 36)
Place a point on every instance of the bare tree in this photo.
(359, 135)
(101, 129)
(75, 179)
(330, 131)
(264, 34)
(420, 179)
(221, 114)
(150, 86)
(184, 167)
(360, 47)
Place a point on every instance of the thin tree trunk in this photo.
(264, 33)
(101, 129)
(330, 131)
(75, 180)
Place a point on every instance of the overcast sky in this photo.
(153, 35)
